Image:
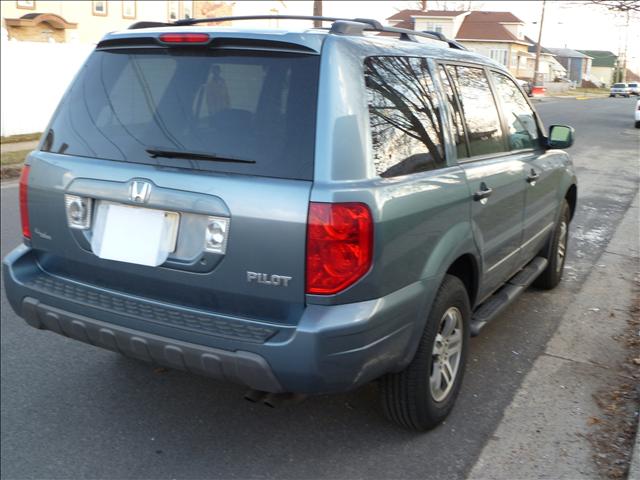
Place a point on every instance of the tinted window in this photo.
(520, 119)
(259, 107)
(455, 115)
(479, 108)
(404, 114)
(619, 85)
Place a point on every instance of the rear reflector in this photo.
(184, 37)
(339, 246)
(24, 201)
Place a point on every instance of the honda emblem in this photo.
(139, 191)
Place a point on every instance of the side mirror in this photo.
(560, 136)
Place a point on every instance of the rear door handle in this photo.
(482, 194)
(533, 176)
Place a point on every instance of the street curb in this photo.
(545, 431)
(634, 467)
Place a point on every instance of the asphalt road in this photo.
(69, 410)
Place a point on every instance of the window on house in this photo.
(99, 8)
(479, 108)
(129, 10)
(434, 27)
(187, 10)
(26, 4)
(404, 116)
(523, 130)
(173, 10)
(500, 55)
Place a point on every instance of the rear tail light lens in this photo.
(339, 246)
(216, 234)
(78, 211)
(24, 201)
(184, 38)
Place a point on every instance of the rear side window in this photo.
(404, 114)
(479, 108)
(521, 121)
(254, 106)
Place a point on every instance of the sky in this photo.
(572, 24)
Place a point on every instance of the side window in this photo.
(479, 108)
(455, 115)
(523, 131)
(404, 116)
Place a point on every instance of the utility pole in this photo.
(626, 48)
(537, 76)
(317, 12)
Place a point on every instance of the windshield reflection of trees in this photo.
(405, 121)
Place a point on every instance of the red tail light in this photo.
(184, 37)
(24, 204)
(339, 246)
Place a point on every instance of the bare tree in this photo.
(618, 5)
(625, 9)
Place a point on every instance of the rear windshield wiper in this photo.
(154, 153)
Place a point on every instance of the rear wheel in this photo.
(422, 395)
(556, 252)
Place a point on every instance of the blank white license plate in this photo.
(134, 235)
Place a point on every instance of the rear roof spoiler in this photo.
(340, 26)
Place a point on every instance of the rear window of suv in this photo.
(619, 85)
(253, 111)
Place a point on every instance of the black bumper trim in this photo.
(240, 367)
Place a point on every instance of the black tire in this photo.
(638, 124)
(552, 275)
(407, 397)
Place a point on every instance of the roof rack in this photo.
(340, 26)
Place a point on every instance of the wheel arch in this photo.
(572, 199)
(465, 267)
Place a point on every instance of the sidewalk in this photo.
(545, 430)
(17, 146)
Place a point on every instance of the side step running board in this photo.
(495, 304)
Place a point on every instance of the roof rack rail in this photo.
(340, 26)
(452, 43)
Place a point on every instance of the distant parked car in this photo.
(634, 88)
(638, 114)
(619, 89)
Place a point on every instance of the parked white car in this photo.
(634, 88)
(619, 89)
(638, 114)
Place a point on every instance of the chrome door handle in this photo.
(482, 194)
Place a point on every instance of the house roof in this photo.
(567, 52)
(405, 15)
(601, 58)
(488, 26)
(534, 45)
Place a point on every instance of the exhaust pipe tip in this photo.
(275, 400)
(254, 396)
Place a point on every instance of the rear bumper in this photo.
(332, 348)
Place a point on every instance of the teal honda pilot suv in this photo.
(297, 211)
